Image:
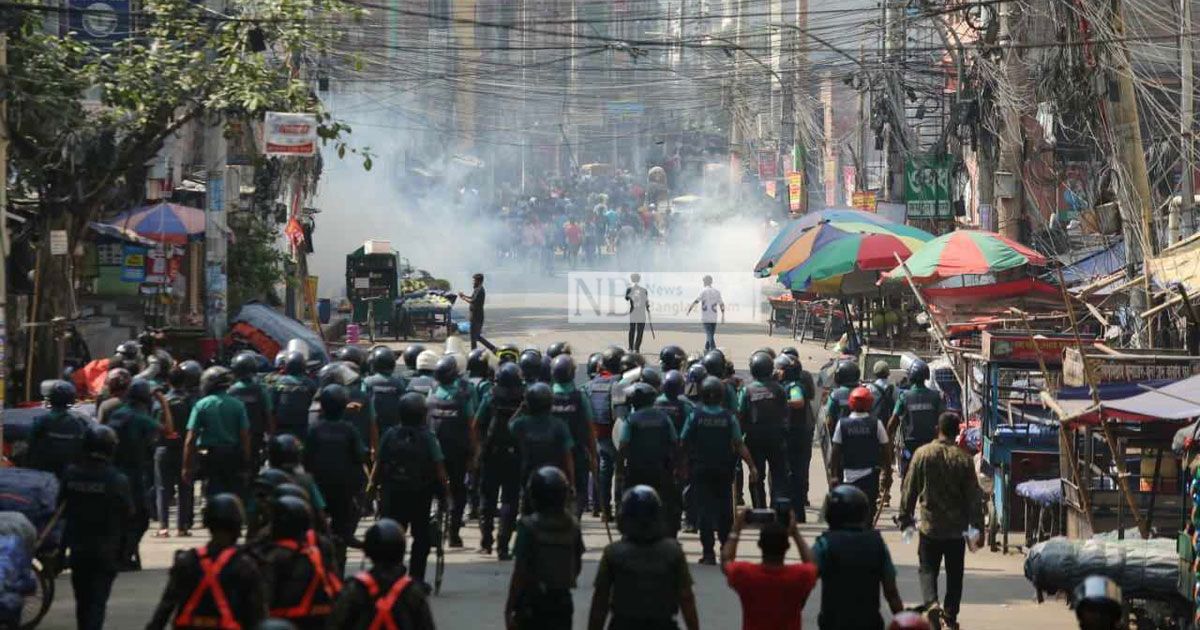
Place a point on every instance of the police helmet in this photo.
(61, 394)
(224, 512)
(651, 376)
(509, 376)
(544, 373)
(214, 379)
(292, 489)
(632, 361)
(460, 361)
(918, 372)
(412, 409)
(847, 373)
(244, 364)
(861, 399)
(333, 399)
(881, 369)
(610, 358)
(671, 358)
(640, 395)
(846, 507)
(761, 365)
(712, 391)
(382, 360)
(696, 373)
(1098, 596)
(291, 517)
(558, 348)
(640, 518)
(673, 384)
(193, 373)
(508, 353)
(100, 442)
(446, 370)
(410, 355)
(269, 479)
(384, 542)
(337, 373)
(477, 363)
(791, 351)
(909, 620)
(294, 363)
(353, 354)
(130, 350)
(766, 350)
(714, 363)
(284, 451)
(538, 398)
(117, 381)
(562, 371)
(140, 391)
(531, 365)
(594, 363)
(548, 488)
(427, 361)
(787, 367)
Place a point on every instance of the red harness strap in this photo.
(209, 584)
(383, 605)
(329, 583)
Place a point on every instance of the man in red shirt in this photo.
(772, 593)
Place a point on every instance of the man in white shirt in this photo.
(639, 309)
(709, 301)
(858, 443)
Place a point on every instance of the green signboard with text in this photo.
(927, 187)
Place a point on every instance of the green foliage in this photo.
(255, 264)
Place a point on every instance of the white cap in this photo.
(427, 360)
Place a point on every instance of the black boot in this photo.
(508, 519)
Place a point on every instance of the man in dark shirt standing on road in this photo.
(475, 301)
(942, 478)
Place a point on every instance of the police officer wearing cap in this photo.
(500, 459)
(136, 431)
(600, 396)
(216, 585)
(543, 440)
(97, 505)
(336, 456)
(451, 417)
(573, 408)
(643, 580)
(422, 381)
(854, 564)
(254, 395)
(549, 556)
(292, 396)
(763, 409)
(219, 426)
(384, 388)
(386, 596)
(713, 440)
(56, 437)
(409, 472)
(858, 443)
(916, 413)
(649, 448)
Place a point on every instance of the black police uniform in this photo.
(335, 457)
(919, 409)
(765, 417)
(449, 417)
(137, 433)
(853, 566)
(645, 580)
(384, 392)
(291, 397)
(98, 508)
(257, 399)
(189, 601)
(407, 476)
(599, 392)
(357, 606)
(568, 406)
(298, 579)
(861, 450)
(168, 464)
(550, 550)
(650, 458)
(709, 437)
(501, 462)
(801, 424)
(56, 441)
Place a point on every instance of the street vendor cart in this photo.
(424, 314)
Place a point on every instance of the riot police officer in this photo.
(352, 354)
(184, 380)
(335, 457)
(384, 388)
(671, 358)
(286, 453)
(883, 391)
(292, 395)
(593, 365)
(500, 475)
(574, 410)
(600, 394)
(854, 563)
(531, 366)
(557, 349)
(97, 507)
(846, 377)
(695, 376)
(297, 567)
(422, 381)
(219, 426)
(386, 596)
(451, 417)
(648, 447)
(763, 410)
(479, 372)
(56, 437)
(409, 472)
(357, 413)
(1098, 604)
(549, 555)
(799, 432)
(256, 398)
(916, 413)
(136, 431)
(543, 440)
(714, 441)
(858, 443)
(216, 585)
(410, 360)
(643, 580)
(672, 401)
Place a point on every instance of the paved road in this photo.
(997, 595)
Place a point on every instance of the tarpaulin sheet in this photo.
(281, 329)
(972, 294)
(1094, 266)
(1137, 566)
(1178, 402)
(1180, 265)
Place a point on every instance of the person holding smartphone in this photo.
(772, 592)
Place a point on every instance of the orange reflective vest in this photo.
(210, 585)
(326, 581)
(383, 605)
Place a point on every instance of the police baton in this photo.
(50, 526)
(650, 322)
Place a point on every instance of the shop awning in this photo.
(1178, 402)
